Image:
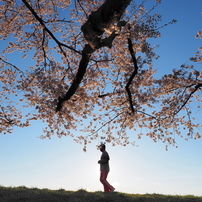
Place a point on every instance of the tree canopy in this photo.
(87, 65)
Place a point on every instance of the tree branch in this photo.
(107, 14)
(12, 65)
(40, 20)
(107, 122)
(185, 102)
(7, 119)
(87, 51)
(130, 47)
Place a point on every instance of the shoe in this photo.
(112, 190)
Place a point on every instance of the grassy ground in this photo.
(23, 194)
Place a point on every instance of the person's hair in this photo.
(102, 146)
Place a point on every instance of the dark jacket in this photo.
(104, 161)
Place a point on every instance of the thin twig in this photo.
(107, 122)
(8, 63)
(185, 102)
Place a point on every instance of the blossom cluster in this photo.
(49, 34)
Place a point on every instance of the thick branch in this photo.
(130, 47)
(79, 76)
(107, 15)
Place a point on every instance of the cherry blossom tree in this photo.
(88, 67)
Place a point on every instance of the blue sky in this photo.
(149, 168)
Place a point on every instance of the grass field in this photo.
(24, 194)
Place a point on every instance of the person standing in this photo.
(104, 169)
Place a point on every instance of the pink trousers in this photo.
(103, 180)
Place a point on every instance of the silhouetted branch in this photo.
(107, 122)
(130, 47)
(8, 63)
(106, 15)
(7, 119)
(40, 20)
(185, 102)
(79, 76)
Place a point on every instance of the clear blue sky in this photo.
(61, 163)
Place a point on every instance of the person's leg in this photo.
(106, 187)
(103, 176)
(103, 180)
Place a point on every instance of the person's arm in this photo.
(104, 158)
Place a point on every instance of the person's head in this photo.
(102, 147)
